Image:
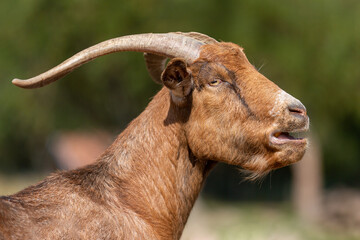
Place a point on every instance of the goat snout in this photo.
(298, 115)
(297, 109)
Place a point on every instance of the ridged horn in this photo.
(155, 64)
(168, 45)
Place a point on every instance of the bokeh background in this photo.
(309, 48)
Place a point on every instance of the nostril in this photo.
(297, 110)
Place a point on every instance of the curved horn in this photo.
(155, 64)
(167, 44)
(199, 36)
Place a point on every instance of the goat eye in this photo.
(215, 82)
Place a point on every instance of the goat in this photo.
(214, 107)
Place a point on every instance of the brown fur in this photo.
(145, 184)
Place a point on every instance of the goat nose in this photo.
(297, 109)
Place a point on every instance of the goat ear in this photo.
(177, 77)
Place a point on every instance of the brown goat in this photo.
(214, 107)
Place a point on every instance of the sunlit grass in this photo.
(256, 221)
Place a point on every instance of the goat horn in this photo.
(155, 64)
(199, 36)
(169, 45)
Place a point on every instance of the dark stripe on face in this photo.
(237, 90)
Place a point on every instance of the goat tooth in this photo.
(277, 134)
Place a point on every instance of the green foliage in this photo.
(309, 48)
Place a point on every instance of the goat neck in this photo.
(162, 187)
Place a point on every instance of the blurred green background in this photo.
(309, 48)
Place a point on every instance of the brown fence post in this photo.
(307, 184)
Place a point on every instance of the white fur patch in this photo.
(283, 99)
(177, 99)
(180, 95)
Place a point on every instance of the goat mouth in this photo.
(294, 137)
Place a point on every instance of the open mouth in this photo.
(296, 136)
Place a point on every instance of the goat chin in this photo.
(214, 106)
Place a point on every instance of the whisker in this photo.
(261, 66)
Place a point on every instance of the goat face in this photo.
(237, 115)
